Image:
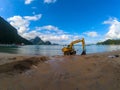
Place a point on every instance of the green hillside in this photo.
(9, 35)
(110, 42)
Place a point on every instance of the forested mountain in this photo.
(9, 35)
(110, 42)
(39, 41)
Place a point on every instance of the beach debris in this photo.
(113, 56)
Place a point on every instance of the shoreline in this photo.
(55, 55)
(99, 71)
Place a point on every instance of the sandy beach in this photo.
(99, 71)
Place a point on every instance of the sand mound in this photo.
(22, 65)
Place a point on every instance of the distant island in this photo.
(38, 41)
(110, 42)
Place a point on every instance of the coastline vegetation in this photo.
(110, 42)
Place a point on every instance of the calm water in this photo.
(51, 50)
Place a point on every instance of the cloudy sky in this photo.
(62, 21)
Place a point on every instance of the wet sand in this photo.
(90, 72)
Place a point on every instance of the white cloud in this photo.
(22, 23)
(47, 32)
(91, 34)
(114, 28)
(50, 28)
(54, 38)
(51, 33)
(28, 1)
(31, 34)
(34, 18)
(49, 1)
(19, 23)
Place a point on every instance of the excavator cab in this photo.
(69, 50)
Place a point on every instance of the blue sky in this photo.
(62, 21)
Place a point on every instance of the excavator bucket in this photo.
(83, 52)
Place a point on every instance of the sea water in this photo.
(52, 50)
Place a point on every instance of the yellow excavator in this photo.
(69, 50)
